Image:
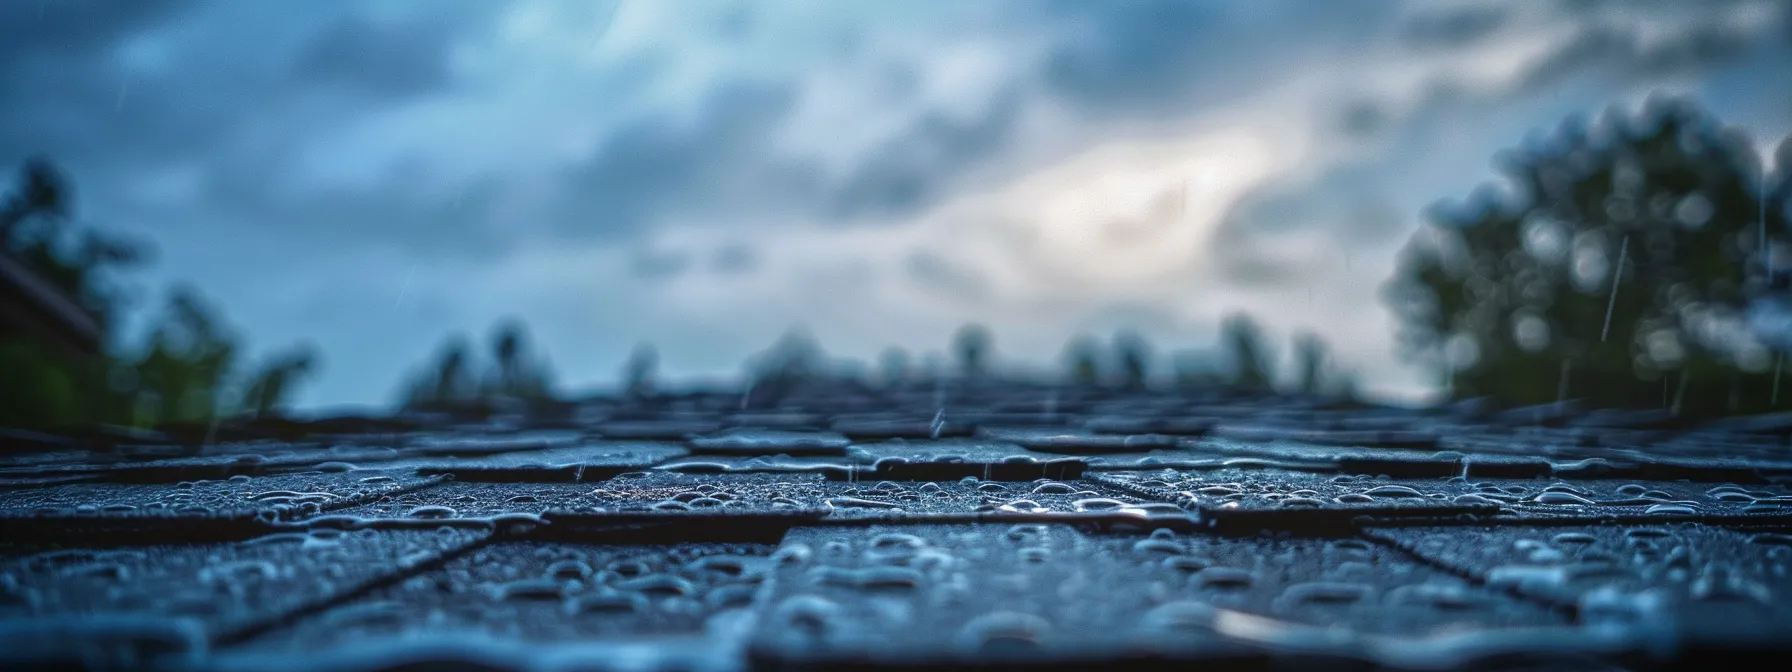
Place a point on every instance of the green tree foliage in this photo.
(182, 374)
(41, 387)
(972, 345)
(1614, 270)
(187, 369)
(35, 228)
(1247, 354)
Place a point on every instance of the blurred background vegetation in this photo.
(189, 368)
(1615, 264)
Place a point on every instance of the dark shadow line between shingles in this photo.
(1768, 520)
(1566, 610)
(262, 627)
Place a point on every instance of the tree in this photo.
(34, 227)
(446, 383)
(1309, 356)
(1247, 353)
(895, 364)
(270, 388)
(183, 373)
(972, 346)
(1081, 359)
(519, 373)
(42, 193)
(796, 359)
(1133, 355)
(1615, 270)
(638, 373)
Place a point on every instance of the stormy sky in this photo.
(373, 176)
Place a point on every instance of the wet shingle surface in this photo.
(968, 526)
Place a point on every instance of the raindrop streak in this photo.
(939, 422)
(118, 105)
(1617, 275)
(1568, 365)
(1680, 394)
(406, 288)
(1778, 362)
(211, 433)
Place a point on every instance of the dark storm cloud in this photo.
(375, 214)
(913, 170)
(1348, 201)
(659, 265)
(52, 58)
(1694, 46)
(380, 58)
(224, 79)
(1453, 28)
(1162, 39)
(656, 165)
(62, 32)
(735, 258)
(1154, 56)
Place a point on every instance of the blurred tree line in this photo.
(456, 380)
(1244, 363)
(1615, 266)
(189, 370)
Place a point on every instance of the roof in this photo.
(31, 305)
(912, 528)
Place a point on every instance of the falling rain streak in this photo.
(1617, 275)
(1777, 363)
(405, 289)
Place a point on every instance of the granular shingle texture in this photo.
(970, 526)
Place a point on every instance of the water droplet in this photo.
(1155, 546)
(1556, 497)
(431, 512)
(605, 601)
(1003, 631)
(1054, 489)
(1097, 504)
(1223, 578)
(658, 584)
(530, 589)
(570, 569)
(1393, 491)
